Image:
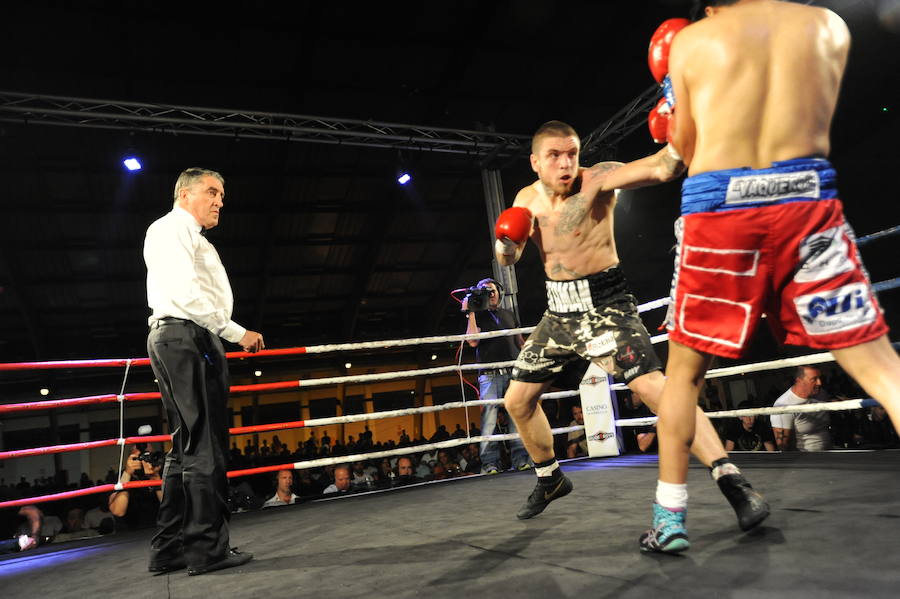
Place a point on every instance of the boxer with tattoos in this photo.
(568, 214)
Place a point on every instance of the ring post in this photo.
(599, 418)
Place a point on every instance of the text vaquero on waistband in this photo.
(797, 180)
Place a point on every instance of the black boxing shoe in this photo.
(749, 506)
(232, 559)
(542, 495)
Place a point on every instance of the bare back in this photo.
(757, 83)
(574, 234)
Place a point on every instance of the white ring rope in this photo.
(331, 420)
(831, 406)
(771, 365)
(339, 347)
(400, 374)
(418, 448)
(663, 301)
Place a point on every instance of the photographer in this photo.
(485, 314)
(138, 507)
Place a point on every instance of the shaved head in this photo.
(551, 129)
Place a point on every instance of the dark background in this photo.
(320, 243)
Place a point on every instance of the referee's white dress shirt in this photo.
(185, 277)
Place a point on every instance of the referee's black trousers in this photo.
(189, 363)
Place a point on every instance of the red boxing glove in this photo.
(659, 122)
(660, 44)
(515, 224)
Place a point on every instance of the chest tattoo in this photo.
(572, 214)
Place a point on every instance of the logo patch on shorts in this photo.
(772, 187)
(631, 372)
(626, 356)
(827, 312)
(823, 255)
(602, 345)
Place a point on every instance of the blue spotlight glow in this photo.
(132, 163)
(404, 178)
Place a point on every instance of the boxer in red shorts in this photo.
(737, 262)
(751, 94)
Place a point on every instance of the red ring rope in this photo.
(113, 362)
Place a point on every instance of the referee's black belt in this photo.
(170, 320)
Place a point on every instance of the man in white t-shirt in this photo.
(283, 493)
(341, 482)
(809, 430)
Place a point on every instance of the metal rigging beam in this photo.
(163, 118)
(620, 125)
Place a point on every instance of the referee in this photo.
(191, 303)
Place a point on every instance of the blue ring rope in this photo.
(887, 232)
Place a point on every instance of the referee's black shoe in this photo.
(232, 559)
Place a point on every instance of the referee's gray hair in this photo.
(191, 176)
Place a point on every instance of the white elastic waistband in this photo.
(569, 296)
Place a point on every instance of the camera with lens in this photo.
(154, 458)
(478, 299)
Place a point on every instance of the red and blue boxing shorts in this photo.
(769, 242)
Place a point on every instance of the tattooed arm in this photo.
(656, 168)
(783, 438)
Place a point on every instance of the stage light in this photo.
(257, 373)
(433, 357)
(45, 391)
(348, 365)
(404, 178)
(132, 163)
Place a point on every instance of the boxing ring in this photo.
(832, 530)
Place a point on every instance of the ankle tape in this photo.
(722, 468)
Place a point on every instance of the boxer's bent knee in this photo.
(521, 398)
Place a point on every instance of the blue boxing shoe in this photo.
(668, 534)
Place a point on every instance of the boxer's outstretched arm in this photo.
(656, 168)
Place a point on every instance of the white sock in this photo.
(670, 495)
(546, 470)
